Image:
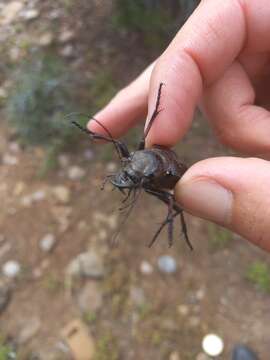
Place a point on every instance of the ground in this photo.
(136, 315)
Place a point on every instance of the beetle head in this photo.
(125, 179)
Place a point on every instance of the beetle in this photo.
(155, 170)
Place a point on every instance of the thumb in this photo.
(232, 192)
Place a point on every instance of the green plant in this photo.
(219, 238)
(39, 101)
(6, 353)
(107, 348)
(259, 274)
(89, 317)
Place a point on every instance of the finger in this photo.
(230, 107)
(232, 192)
(126, 108)
(213, 37)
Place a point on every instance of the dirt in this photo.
(210, 282)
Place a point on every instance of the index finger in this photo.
(205, 46)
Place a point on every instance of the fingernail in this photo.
(206, 199)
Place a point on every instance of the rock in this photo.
(66, 35)
(202, 356)
(19, 188)
(200, 294)
(31, 328)
(88, 264)
(90, 298)
(5, 296)
(63, 160)
(76, 173)
(111, 167)
(88, 154)
(167, 264)
(10, 160)
(146, 268)
(11, 269)
(174, 356)
(67, 51)
(212, 345)
(37, 196)
(62, 194)
(45, 39)
(30, 14)
(47, 242)
(183, 310)
(10, 12)
(137, 296)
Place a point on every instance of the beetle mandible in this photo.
(155, 170)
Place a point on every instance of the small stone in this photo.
(62, 194)
(146, 268)
(202, 356)
(167, 264)
(76, 173)
(174, 356)
(30, 14)
(31, 328)
(9, 160)
(63, 160)
(112, 221)
(90, 298)
(66, 35)
(45, 39)
(39, 195)
(47, 243)
(200, 294)
(19, 188)
(137, 296)
(67, 51)
(183, 310)
(194, 321)
(3, 93)
(11, 269)
(88, 264)
(5, 295)
(10, 12)
(111, 167)
(212, 345)
(88, 154)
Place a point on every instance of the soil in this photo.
(210, 283)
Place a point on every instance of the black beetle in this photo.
(154, 170)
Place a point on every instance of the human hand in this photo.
(220, 60)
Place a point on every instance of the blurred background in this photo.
(56, 262)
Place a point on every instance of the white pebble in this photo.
(146, 268)
(76, 173)
(11, 269)
(47, 242)
(167, 264)
(212, 345)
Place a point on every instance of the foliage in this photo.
(39, 101)
(6, 352)
(107, 348)
(259, 274)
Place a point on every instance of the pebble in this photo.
(19, 188)
(67, 51)
(88, 264)
(146, 268)
(183, 310)
(11, 269)
(5, 296)
(90, 298)
(137, 296)
(62, 194)
(30, 14)
(10, 12)
(167, 264)
(66, 35)
(37, 196)
(3, 93)
(76, 173)
(45, 39)
(47, 242)
(9, 160)
(88, 154)
(174, 356)
(31, 328)
(212, 345)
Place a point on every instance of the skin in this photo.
(220, 61)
